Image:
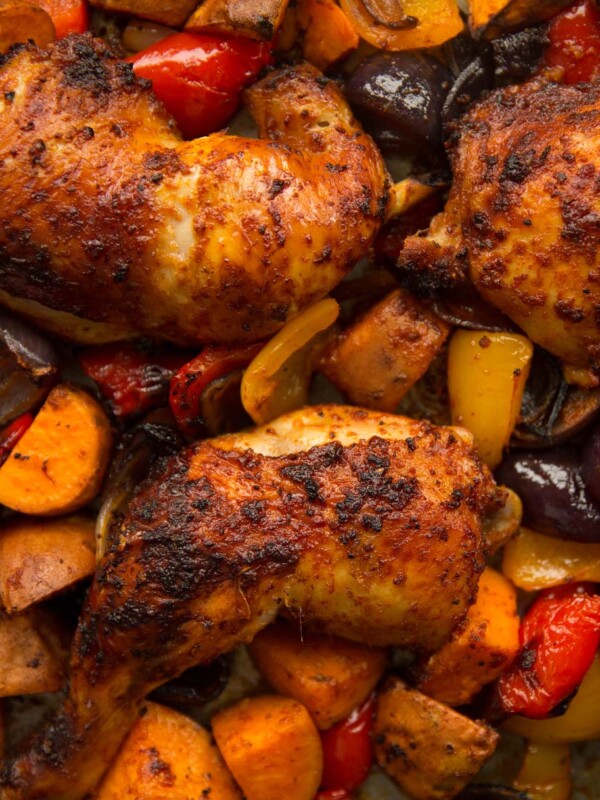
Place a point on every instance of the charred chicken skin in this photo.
(113, 226)
(523, 215)
(361, 524)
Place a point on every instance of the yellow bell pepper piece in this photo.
(533, 561)
(580, 723)
(487, 373)
(546, 772)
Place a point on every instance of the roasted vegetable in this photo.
(272, 747)
(258, 19)
(486, 379)
(12, 434)
(490, 18)
(328, 675)
(60, 461)
(546, 772)
(167, 756)
(327, 35)
(200, 77)
(533, 561)
(555, 498)
(169, 12)
(481, 649)
(20, 21)
(428, 749)
(408, 25)
(377, 359)
(504, 524)
(579, 723)
(347, 752)
(41, 557)
(574, 37)
(559, 636)
(34, 650)
(68, 16)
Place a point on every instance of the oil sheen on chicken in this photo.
(523, 216)
(112, 226)
(361, 524)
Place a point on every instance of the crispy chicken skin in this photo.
(364, 525)
(112, 226)
(523, 216)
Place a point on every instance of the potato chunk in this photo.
(272, 747)
(428, 749)
(41, 557)
(168, 756)
(328, 675)
(59, 463)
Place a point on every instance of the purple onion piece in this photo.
(555, 498)
(590, 465)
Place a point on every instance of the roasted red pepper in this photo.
(132, 380)
(12, 433)
(68, 16)
(188, 385)
(347, 753)
(574, 37)
(559, 637)
(199, 78)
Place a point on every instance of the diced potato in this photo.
(546, 772)
(170, 12)
(58, 464)
(329, 676)
(487, 373)
(328, 34)
(491, 18)
(580, 723)
(258, 19)
(533, 561)
(272, 747)
(430, 750)
(480, 650)
(20, 21)
(41, 557)
(167, 756)
(34, 653)
(377, 359)
(436, 22)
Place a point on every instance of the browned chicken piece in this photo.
(112, 226)
(364, 525)
(523, 216)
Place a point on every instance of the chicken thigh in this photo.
(364, 525)
(523, 216)
(113, 226)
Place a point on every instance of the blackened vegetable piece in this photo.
(590, 465)
(476, 77)
(555, 498)
(518, 55)
(196, 686)
(399, 99)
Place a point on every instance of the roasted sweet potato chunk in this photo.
(328, 33)
(426, 747)
(258, 19)
(41, 557)
(59, 463)
(272, 747)
(34, 652)
(21, 21)
(169, 12)
(480, 650)
(168, 756)
(382, 354)
(329, 676)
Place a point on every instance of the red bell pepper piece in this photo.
(574, 37)
(12, 433)
(199, 78)
(347, 752)
(132, 380)
(68, 16)
(559, 637)
(188, 384)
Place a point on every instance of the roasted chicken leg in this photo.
(523, 216)
(364, 525)
(112, 226)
